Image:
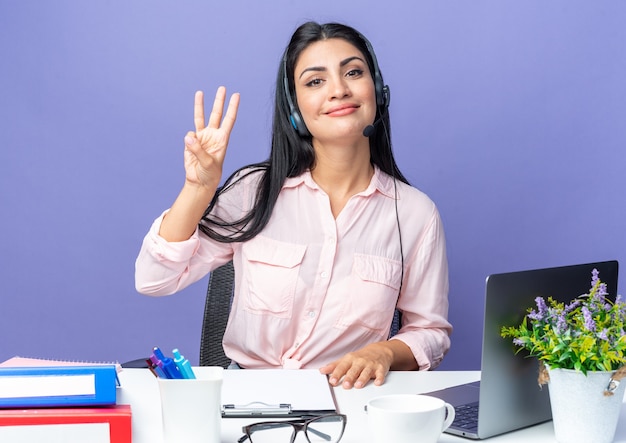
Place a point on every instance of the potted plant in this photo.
(581, 348)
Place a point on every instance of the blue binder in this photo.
(54, 386)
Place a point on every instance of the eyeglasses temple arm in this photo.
(318, 433)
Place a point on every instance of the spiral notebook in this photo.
(18, 361)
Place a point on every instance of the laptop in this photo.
(508, 396)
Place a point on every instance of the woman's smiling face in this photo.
(334, 90)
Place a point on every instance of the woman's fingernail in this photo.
(188, 140)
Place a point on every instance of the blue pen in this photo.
(167, 364)
(183, 364)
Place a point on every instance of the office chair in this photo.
(396, 323)
(216, 311)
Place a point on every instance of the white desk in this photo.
(140, 390)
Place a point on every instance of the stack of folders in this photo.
(44, 400)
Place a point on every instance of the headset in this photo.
(381, 90)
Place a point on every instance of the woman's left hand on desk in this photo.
(356, 369)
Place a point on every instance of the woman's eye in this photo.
(354, 73)
(314, 82)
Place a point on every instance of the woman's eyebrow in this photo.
(322, 68)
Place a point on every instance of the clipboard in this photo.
(276, 393)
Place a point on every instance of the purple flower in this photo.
(541, 310)
(621, 304)
(561, 323)
(594, 278)
(603, 335)
(589, 323)
(571, 306)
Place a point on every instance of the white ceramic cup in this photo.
(408, 418)
(191, 408)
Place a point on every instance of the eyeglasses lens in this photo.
(276, 433)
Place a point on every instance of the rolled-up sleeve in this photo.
(163, 268)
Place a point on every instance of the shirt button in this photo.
(324, 274)
(311, 314)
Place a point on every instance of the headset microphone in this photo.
(370, 129)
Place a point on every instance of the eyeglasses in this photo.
(324, 428)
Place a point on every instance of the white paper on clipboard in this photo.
(276, 392)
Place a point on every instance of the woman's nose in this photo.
(339, 88)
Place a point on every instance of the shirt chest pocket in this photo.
(270, 276)
(373, 292)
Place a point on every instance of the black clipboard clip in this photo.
(256, 408)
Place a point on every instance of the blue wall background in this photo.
(511, 115)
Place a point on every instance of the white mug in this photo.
(408, 418)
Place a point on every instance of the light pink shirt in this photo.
(311, 288)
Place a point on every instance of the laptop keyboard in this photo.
(466, 416)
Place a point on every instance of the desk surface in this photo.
(140, 390)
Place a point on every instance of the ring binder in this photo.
(51, 386)
(255, 408)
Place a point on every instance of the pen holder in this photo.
(191, 408)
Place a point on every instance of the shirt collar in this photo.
(380, 182)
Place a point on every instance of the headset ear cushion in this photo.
(293, 122)
(380, 91)
(386, 96)
(298, 124)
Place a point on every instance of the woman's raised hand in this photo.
(205, 148)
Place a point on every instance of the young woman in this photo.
(327, 237)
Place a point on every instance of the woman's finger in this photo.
(380, 375)
(218, 108)
(198, 111)
(364, 377)
(231, 113)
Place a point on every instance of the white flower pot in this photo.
(580, 411)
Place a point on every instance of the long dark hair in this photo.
(292, 154)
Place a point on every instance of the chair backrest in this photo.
(396, 323)
(216, 311)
